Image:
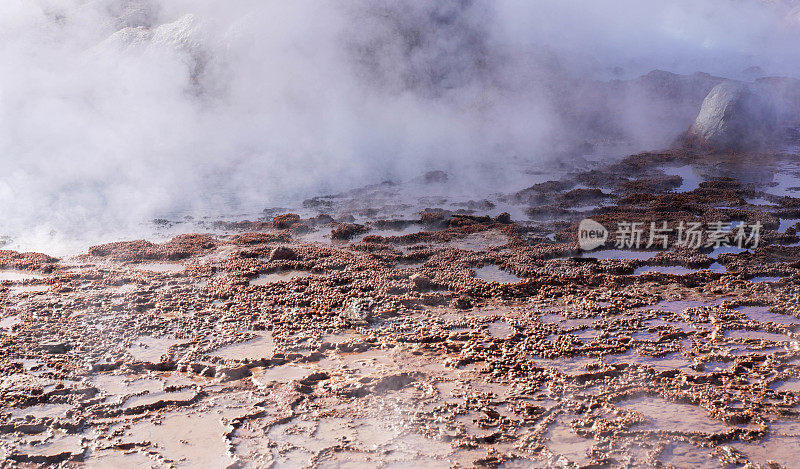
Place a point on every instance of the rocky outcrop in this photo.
(733, 117)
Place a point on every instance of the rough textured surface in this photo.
(733, 117)
(290, 348)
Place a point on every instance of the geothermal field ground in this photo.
(383, 234)
(357, 336)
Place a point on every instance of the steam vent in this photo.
(378, 234)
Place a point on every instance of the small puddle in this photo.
(284, 276)
(500, 330)
(479, 241)
(561, 440)
(60, 445)
(566, 323)
(409, 265)
(9, 322)
(763, 314)
(121, 385)
(672, 361)
(105, 459)
(680, 325)
(619, 254)
(18, 290)
(126, 288)
(18, 275)
(194, 440)
(646, 336)
(739, 350)
(493, 273)
(569, 366)
(781, 449)
(676, 306)
(716, 267)
(792, 385)
(54, 411)
(280, 374)
(160, 267)
(662, 414)
(259, 347)
(691, 180)
(388, 232)
(151, 349)
(757, 335)
(687, 455)
(672, 270)
(726, 250)
(760, 201)
(786, 223)
(587, 335)
(765, 279)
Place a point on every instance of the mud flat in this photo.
(437, 338)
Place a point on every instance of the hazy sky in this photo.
(113, 112)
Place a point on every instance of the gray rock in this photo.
(282, 253)
(358, 312)
(55, 347)
(421, 282)
(733, 117)
(233, 374)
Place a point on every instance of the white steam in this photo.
(113, 112)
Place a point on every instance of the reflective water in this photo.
(792, 385)
(763, 314)
(765, 279)
(160, 267)
(662, 414)
(493, 273)
(189, 439)
(687, 455)
(259, 347)
(760, 201)
(500, 330)
(53, 411)
(726, 250)
(17, 290)
(781, 449)
(151, 349)
(620, 254)
(786, 223)
(757, 335)
(672, 361)
(691, 180)
(480, 241)
(10, 322)
(562, 440)
(284, 276)
(672, 270)
(281, 374)
(18, 275)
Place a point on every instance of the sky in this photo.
(115, 112)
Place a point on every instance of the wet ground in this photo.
(363, 333)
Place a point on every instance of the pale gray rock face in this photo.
(733, 117)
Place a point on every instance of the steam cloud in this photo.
(113, 112)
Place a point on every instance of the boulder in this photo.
(282, 253)
(733, 117)
(421, 282)
(233, 374)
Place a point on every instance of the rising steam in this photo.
(113, 112)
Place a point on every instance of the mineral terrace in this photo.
(364, 332)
